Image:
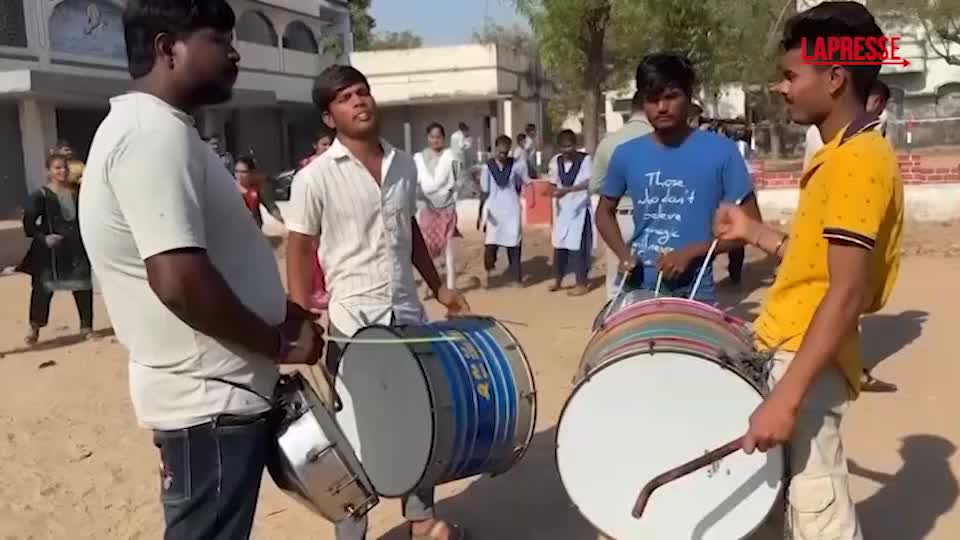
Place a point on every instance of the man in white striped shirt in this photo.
(360, 199)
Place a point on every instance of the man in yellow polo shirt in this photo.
(840, 260)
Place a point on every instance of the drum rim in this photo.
(533, 393)
(397, 332)
(585, 379)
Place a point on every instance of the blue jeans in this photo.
(210, 476)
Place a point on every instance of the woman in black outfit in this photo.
(56, 259)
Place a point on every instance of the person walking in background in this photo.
(56, 260)
(461, 143)
(438, 175)
(502, 180)
(636, 127)
(217, 145)
(532, 146)
(321, 143)
(570, 172)
(254, 190)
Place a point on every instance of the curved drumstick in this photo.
(681, 471)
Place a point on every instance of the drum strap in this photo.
(271, 402)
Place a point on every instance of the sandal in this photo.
(456, 532)
(870, 384)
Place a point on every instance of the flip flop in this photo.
(456, 532)
(870, 384)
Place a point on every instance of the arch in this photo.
(87, 28)
(948, 99)
(299, 37)
(255, 27)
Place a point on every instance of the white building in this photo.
(61, 60)
(492, 89)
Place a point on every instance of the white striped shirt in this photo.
(366, 235)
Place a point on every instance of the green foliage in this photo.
(361, 24)
(394, 40)
(939, 19)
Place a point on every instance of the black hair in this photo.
(463, 126)
(881, 89)
(637, 101)
(662, 70)
(249, 161)
(324, 132)
(835, 19)
(530, 127)
(567, 135)
(334, 80)
(521, 137)
(53, 157)
(503, 140)
(436, 125)
(144, 20)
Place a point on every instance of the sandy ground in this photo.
(73, 463)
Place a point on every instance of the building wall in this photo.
(260, 131)
(13, 189)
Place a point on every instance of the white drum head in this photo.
(387, 414)
(637, 418)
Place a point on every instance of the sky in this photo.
(441, 22)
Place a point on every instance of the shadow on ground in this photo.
(910, 501)
(527, 503)
(58, 342)
(884, 335)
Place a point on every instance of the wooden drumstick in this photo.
(706, 261)
(681, 471)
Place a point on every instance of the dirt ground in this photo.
(74, 464)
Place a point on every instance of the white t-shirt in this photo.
(152, 185)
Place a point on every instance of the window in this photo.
(255, 27)
(299, 37)
(13, 31)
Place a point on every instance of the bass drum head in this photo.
(636, 418)
(387, 412)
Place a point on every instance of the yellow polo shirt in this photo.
(850, 191)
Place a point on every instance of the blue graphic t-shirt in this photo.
(675, 192)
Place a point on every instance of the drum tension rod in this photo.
(681, 471)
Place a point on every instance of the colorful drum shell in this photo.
(481, 393)
(652, 392)
(673, 324)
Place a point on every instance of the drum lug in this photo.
(530, 395)
(313, 455)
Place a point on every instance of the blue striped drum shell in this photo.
(475, 392)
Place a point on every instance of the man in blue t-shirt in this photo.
(677, 177)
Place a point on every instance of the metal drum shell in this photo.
(324, 474)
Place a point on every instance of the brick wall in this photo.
(914, 168)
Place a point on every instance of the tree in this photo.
(940, 20)
(514, 37)
(583, 45)
(394, 40)
(361, 24)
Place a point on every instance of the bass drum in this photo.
(660, 385)
(428, 411)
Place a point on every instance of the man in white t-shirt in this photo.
(190, 283)
(359, 200)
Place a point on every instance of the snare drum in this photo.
(654, 391)
(423, 413)
(314, 462)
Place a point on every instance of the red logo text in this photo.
(852, 51)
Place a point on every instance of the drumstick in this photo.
(392, 340)
(706, 262)
(681, 471)
(656, 291)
